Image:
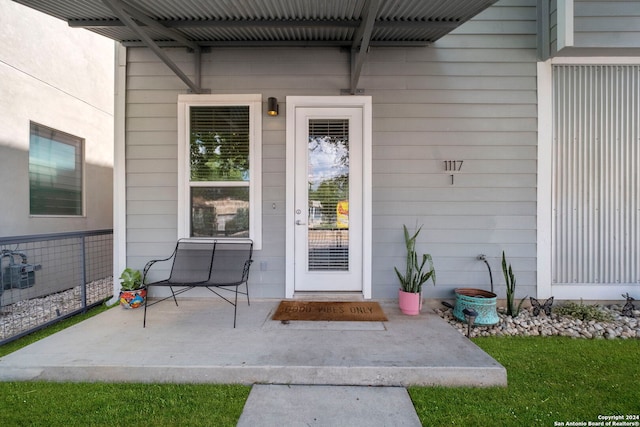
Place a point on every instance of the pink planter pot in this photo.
(410, 303)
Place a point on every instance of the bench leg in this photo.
(144, 318)
(174, 295)
(235, 308)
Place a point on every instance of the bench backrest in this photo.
(192, 261)
(231, 262)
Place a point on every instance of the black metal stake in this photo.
(470, 314)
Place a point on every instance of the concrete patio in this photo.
(196, 343)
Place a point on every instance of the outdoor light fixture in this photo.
(470, 314)
(272, 106)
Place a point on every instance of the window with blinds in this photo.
(219, 163)
(55, 172)
(220, 143)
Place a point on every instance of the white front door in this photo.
(327, 199)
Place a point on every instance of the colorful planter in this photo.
(133, 299)
(410, 303)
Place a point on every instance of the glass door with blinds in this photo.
(328, 199)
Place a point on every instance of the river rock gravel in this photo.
(30, 314)
(526, 324)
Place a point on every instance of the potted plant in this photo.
(414, 276)
(132, 290)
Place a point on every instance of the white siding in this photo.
(591, 27)
(608, 24)
(471, 97)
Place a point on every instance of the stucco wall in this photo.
(62, 78)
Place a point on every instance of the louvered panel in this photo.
(596, 227)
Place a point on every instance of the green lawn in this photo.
(551, 380)
(99, 404)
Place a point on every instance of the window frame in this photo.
(79, 144)
(254, 102)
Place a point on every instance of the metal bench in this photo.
(215, 265)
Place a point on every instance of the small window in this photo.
(221, 145)
(55, 172)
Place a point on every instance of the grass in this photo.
(550, 380)
(100, 404)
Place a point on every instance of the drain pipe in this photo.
(483, 257)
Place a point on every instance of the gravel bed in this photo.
(28, 314)
(526, 324)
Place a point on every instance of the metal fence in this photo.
(47, 278)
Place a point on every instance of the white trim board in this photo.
(119, 171)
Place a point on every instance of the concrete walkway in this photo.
(196, 343)
(330, 406)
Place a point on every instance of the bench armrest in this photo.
(149, 264)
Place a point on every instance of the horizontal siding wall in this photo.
(553, 27)
(611, 24)
(470, 97)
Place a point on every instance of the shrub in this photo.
(584, 312)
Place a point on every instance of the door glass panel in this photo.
(328, 194)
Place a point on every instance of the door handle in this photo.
(298, 222)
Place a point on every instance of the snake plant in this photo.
(414, 276)
(510, 280)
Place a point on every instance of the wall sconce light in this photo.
(272, 106)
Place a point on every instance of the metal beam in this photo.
(118, 8)
(360, 44)
(275, 23)
(283, 43)
(141, 16)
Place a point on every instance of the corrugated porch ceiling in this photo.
(198, 24)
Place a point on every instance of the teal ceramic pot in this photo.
(483, 302)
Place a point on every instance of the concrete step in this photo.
(330, 406)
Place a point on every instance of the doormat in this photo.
(353, 311)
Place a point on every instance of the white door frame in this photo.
(364, 103)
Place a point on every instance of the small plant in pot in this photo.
(132, 291)
(414, 276)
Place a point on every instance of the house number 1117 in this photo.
(453, 166)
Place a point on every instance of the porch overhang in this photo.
(353, 24)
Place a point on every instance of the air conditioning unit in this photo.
(15, 271)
